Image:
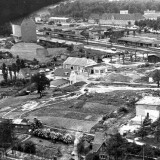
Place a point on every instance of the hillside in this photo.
(81, 9)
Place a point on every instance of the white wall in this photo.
(16, 30)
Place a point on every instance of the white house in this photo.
(78, 64)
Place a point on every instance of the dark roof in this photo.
(99, 139)
(59, 82)
(61, 72)
(118, 16)
(154, 55)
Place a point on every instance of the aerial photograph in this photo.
(80, 80)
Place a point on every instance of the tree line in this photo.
(83, 10)
(13, 68)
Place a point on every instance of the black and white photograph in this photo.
(79, 79)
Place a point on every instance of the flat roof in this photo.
(63, 18)
(144, 40)
(109, 51)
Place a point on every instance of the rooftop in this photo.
(98, 141)
(84, 62)
(61, 18)
(62, 72)
(149, 100)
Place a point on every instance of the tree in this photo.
(6, 133)
(156, 76)
(5, 72)
(29, 147)
(116, 146)
(41, 82)
(70, 48)
(22, 64)
(10, 72)
(14, 69)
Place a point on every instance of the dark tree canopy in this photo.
(41, 82)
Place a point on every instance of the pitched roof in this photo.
(61, 72)
(83, 62)
(118, 16)
(58, 82)
(98, 141)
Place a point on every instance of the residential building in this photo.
(98, 69)
(77, 64)
(24, 30)
(24, 73)
(151, 14)
(99, 146)
(148, 105)
(62, 73)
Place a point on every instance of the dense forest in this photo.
(80, 9)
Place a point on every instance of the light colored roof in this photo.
(60, 18)
(149, 100)
(83, 62)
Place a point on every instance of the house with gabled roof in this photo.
(78, 64)
(99, 145)
(62, 73)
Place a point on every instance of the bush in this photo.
(123, 109)
(51, 135)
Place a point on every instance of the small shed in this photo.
(148, 105)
